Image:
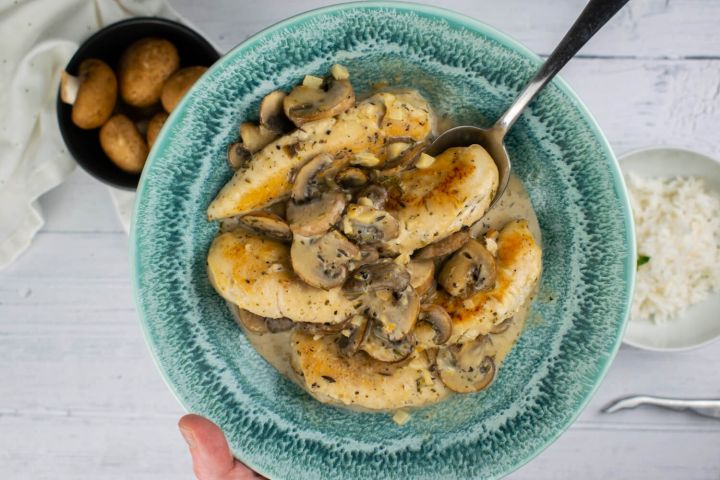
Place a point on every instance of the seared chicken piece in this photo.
(360, 380)
(362, 128)
(518, 264)
(454, 192)
(255, 274)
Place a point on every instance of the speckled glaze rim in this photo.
(472, 25)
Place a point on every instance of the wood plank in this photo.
(640, 103)
(86, 448)
(637, 455)
(645, 28)
(81, 203)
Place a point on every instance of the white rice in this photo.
(678, 227)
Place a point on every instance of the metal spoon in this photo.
(707, 408)
(592, 18)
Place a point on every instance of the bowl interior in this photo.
(471, 73)
(697, 325)
(108, 44)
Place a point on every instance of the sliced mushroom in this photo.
(322, 261)
(365, 224)
(272, 115)
(443, 247)
(368, 255)
(377, 276)
(502, 326)
(422, 275)
(69, 87)
(351, 178)
(277, 325)
(397, 311)
(465, 368)
(307, 181)
(352, 337)
(306, 103)
(238, 156)
(256, 137)
(251, 322)
(404, 161)
(268, 224)
(316, 216)
(378, 345)
(325, 328)
(471, 269)
(440, 321)
(377, 196)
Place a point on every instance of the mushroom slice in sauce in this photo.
(464, 367)
(365, 224)
(325, 328)
(268, 224)
(277, 325)
(307, 181)
(397, 310)
(502, 326)
(422, 275)
(307, 103)
(351, 178)
(238, 157)
(471, 269)
(352, 336)
(440, 321)
(316, 216)
(443, 247)
(272, 115)
(368, 255)
(379, 346)
(376, 196)
(322, 261)
(377, 276)
(256, 137)
(251, 322)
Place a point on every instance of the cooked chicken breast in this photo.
(363, 128)
(359, 380)
(455, 191)
(519, 261)
(255, 273)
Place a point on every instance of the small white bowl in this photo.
(700, 323)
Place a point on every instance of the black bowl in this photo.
(108, 44)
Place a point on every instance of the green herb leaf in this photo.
(642, 260)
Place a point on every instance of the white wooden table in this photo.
(80, 397)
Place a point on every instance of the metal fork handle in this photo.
(708, 408)
(593, 17)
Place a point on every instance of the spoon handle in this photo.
(593, 17)
(708, 408)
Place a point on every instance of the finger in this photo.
(210, 452)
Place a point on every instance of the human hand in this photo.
(210, 452)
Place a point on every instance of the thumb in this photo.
(210, 452)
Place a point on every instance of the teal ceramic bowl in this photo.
(471, 72)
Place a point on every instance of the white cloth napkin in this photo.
(37, 39)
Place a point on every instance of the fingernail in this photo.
(188, 436)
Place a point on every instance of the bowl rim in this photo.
(110, 29)
(666, 148)
(472, 25)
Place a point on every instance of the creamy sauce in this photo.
(514, 204)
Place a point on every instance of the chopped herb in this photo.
(642, 260)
